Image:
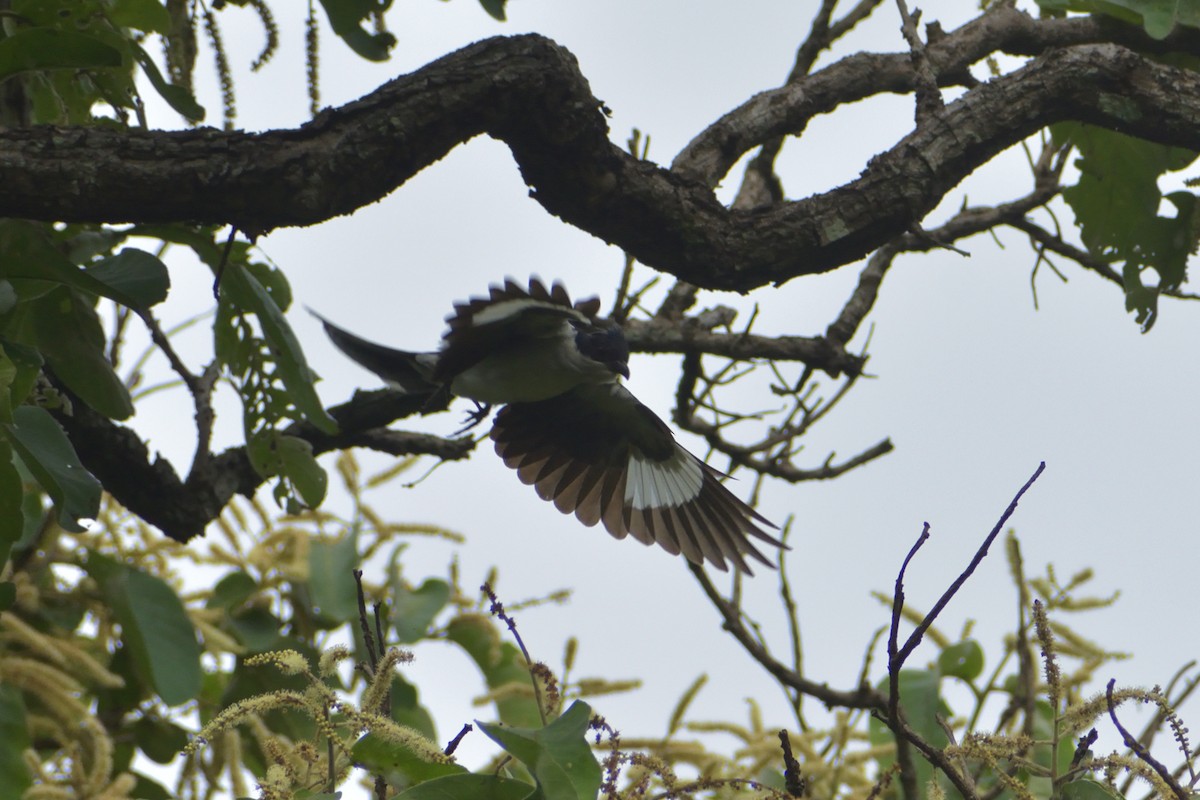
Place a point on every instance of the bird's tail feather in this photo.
(409, 372)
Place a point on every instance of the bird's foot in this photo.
(475, 417)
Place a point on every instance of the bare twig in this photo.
(497, 609)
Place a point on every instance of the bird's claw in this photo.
(475, 417)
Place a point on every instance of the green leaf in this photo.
(136, 274)
(1140, 299)
(346, 17)
(495, 8)
(14, 775)
(248, 294)
(231, 591)
(47, 453)
(150, 16)
(1116, 204)
(69, 335)
(258, 629)
(331, 577)
(298, 464)
(413, 610)
(159, 739)
(962, 660)
(558, 755)
(20, 366)
(1088, 789)
(177, 97)
(402, 765)
(407, 708)
(154, 626)
(29, 253)
(45, 48)
(467, 787)
(1159, 17)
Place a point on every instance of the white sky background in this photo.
(974, 386)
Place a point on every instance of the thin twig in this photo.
(1138, 750)
(497, 609)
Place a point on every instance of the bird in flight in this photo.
(568, 426)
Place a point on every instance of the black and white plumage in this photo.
(569, 427)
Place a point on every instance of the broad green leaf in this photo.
(1116, 204)
(231, 591)
(495, 8)
(1088, 789)
(136, 274)
(469, 787)
(154, 626)
(962, 660)
(407, 708)
(45, 48)
(29, 253)
(144, 15)
(413, 610)
(501, 664)
(257, 629)
(69, 335)
(249, 295)
(346, 17)
(402, 765)
(177, 97)
(331, 577)
(558, 755)
(47, 453)
(149, 789)
(14, 775)
(299, 465)
(1118, 189)
(160, 739)
(1159, 17)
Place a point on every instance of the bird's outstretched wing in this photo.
(510, 317)
(600, 454)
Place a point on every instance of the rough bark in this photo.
(529, 92)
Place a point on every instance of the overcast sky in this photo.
(973, 385)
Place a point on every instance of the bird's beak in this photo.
(622, 370)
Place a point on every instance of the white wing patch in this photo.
(659, 484)
(508, 309)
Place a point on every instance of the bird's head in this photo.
(605, 343)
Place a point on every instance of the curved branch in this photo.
(529, 92)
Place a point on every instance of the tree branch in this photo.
(529, 92)
(120, 460)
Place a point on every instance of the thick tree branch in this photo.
(529, 92)
(120, 460)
